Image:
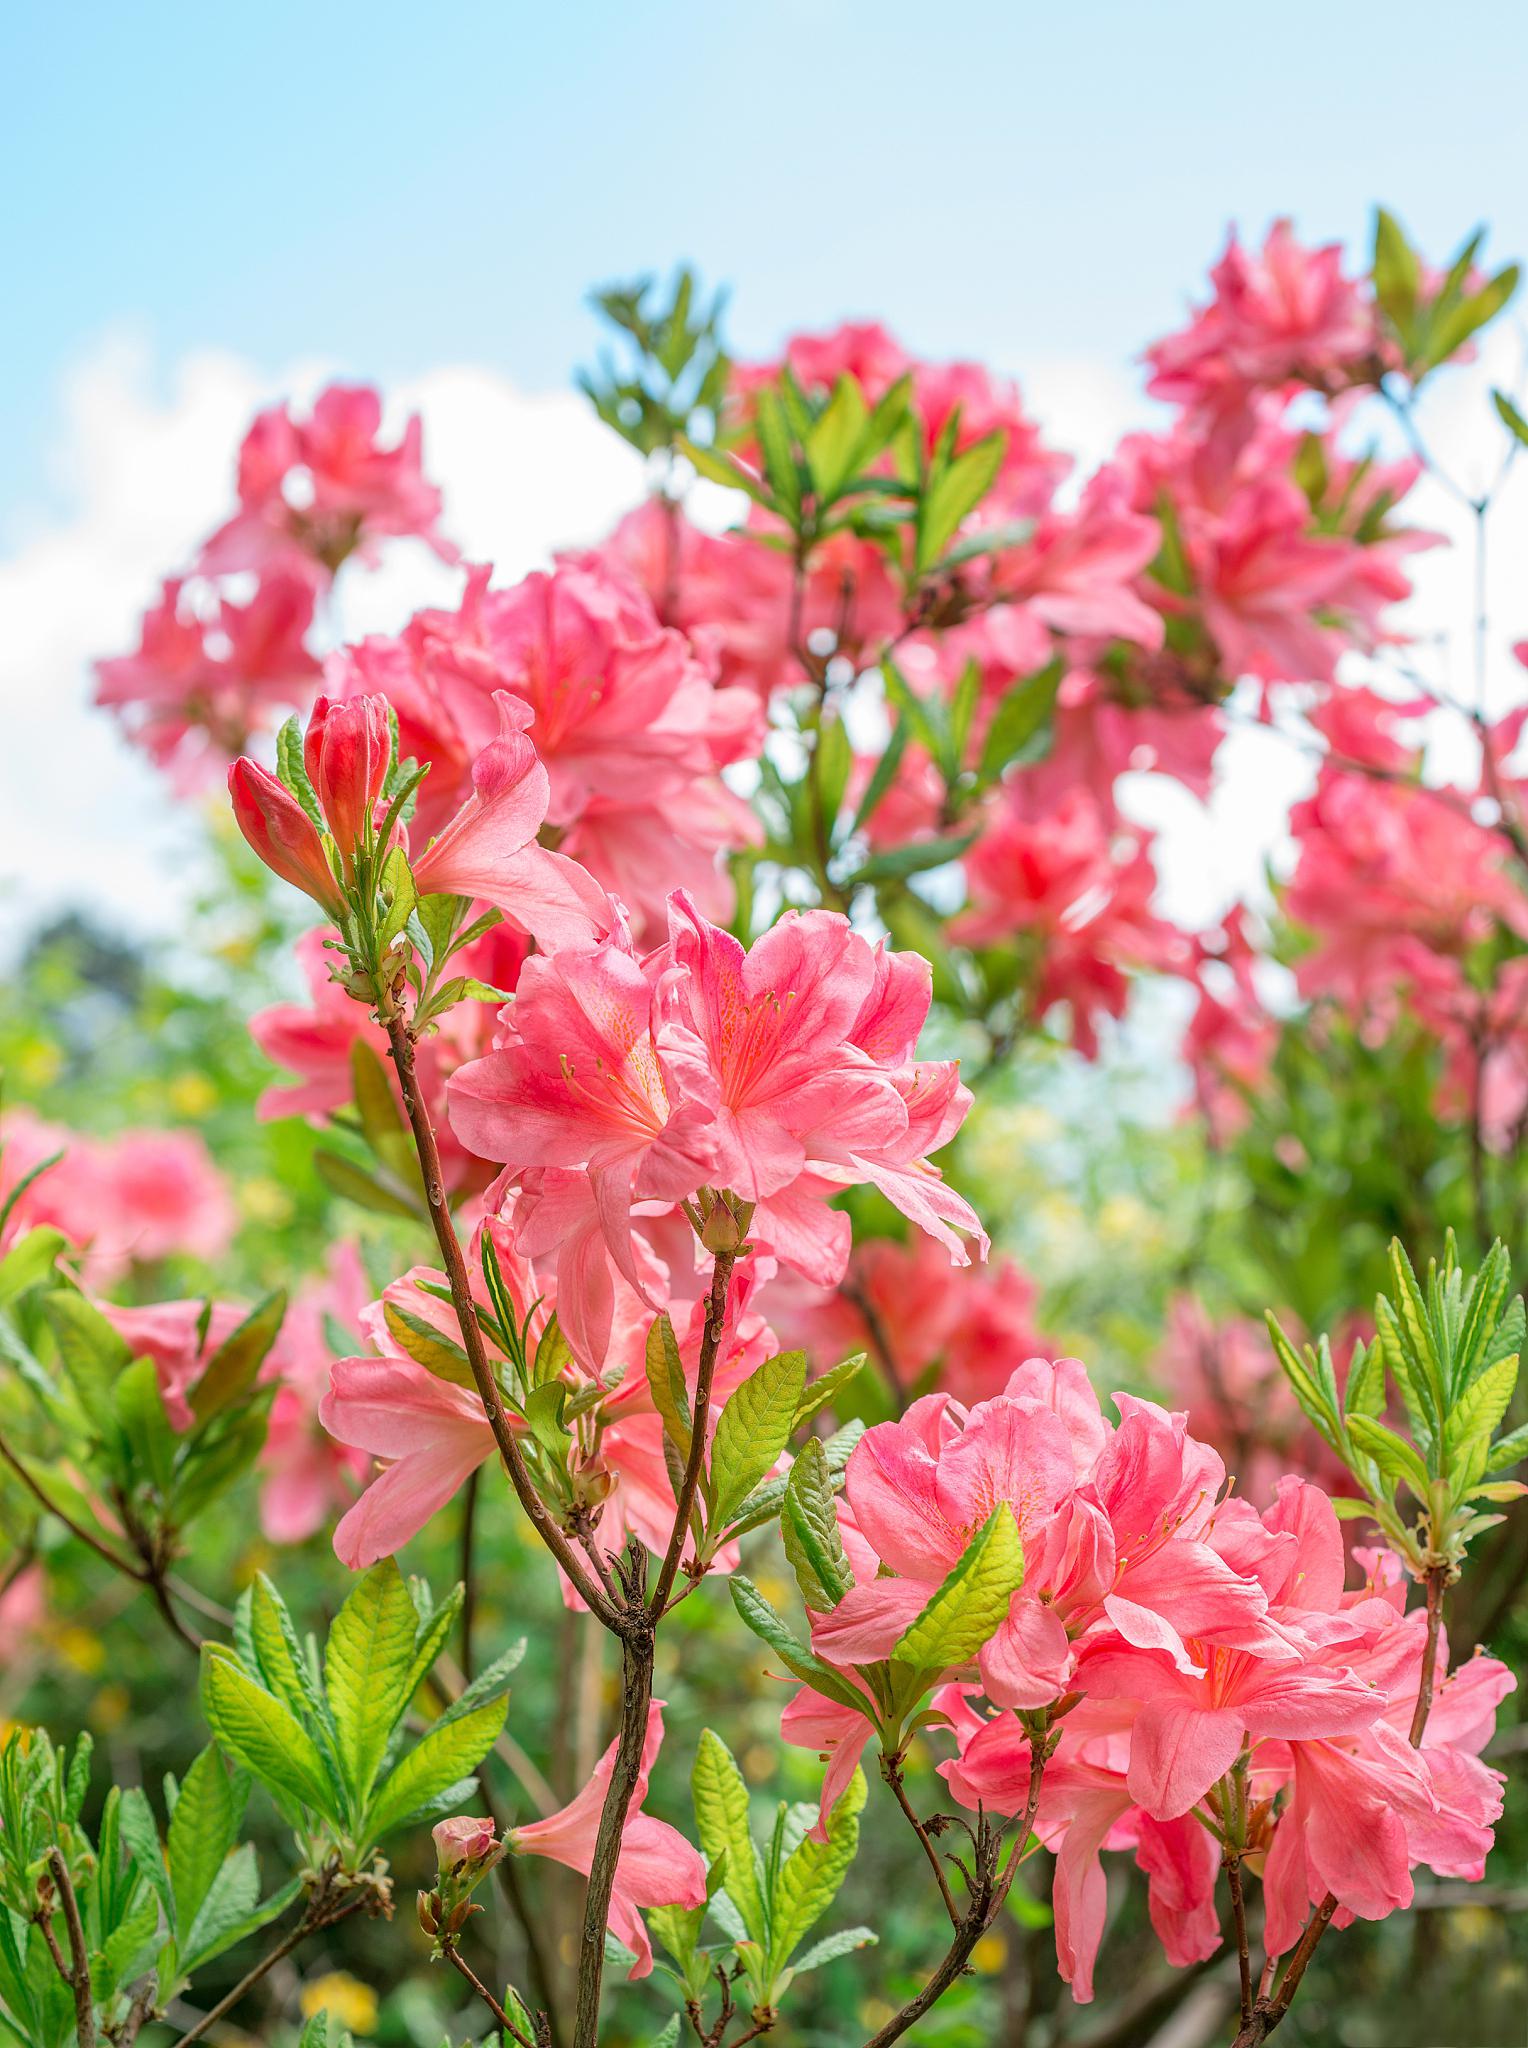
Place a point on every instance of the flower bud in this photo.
(464, 1847)
(282, 833)
(346, 753)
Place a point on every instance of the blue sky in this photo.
(209, 207)
(388, 187)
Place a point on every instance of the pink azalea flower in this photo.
(1076, 896)
(163, 1196)
(312, 492)
(283, 835)
(173, 1335)
(307, 1474)
(346, 752)
(432, 1433)
(657, 1866)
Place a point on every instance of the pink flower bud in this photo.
(462, 1840)
(282, 833)
(346, 752)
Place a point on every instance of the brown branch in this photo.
(77, 1975)
(1269, 2011)
(636, 1697)
(1239, 1916)
(401, 1044)
(313, 1921)
(989, 1890)
(76, 1529)
(463, 1968)
(891, 1771)
(710, 1345)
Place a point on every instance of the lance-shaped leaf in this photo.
(367, 1663)
(954, 491)
(754, 1429)
(721, 1819)
(256, 1728)
(810, 1878)
(231, 1370)
(801, 1662)
(665, 1381)
(973, 1601)
(438, 1761)
(427, 1346)
(809, 1526)
(201, 1833)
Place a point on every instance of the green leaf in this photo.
(343, 1177)
(813, 1874)
(382, 1122)
(915, 858)
(1447, 332)
(832, 1946)
(883, 775)
(1509, 1450)
(263, 1734)
(809, 1525)
(139, 1410)
(718, 468)
(1510, 415)
(1397, 272)
(953, 493)
(1306, 1391)
(721, 1818)
(400, 895)
(367, 1661)
(140, 1834)
(231, 1913)
(666, 1382)
(972, 1602)
(554, 1354)
(279, 1655)
(779, 458)
(801, 1662)
(1396, 1458)
(1481, 1406)
(426, 1345)
(92, 1352)
(753, 1430)
(833, 444)
(763, 1504)
(826, 1388)
(29, 1260)
(1022, 716)
(544, 1408)
(201, 1833)
(1365, 1391)
(232, 1368)
(293, 771)
(448, 1753)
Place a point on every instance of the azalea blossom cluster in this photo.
(131, 1200)
(1214, 1684)
(230, 642)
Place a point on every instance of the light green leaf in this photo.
(666, 1382)
(832, 1946)
(427, 1346)
(201, 1833)
(972, 1602)
(257, 1729)
(809, 1526)
(29, 1260)
(343, 1177)
(833, 444)
(448, 1753)
(92, 1352)
(721, 1819)
(367, 1661)
(825, 1389)
(1396, 1458)
(953, 493)
(812, 1875)
(1022, 716)
(753, 1430)
(1481, 1406)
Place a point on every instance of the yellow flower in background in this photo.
(192, 1095)
(79, 1647)
(265, 1201)
(351, 2002)
(989, 1954)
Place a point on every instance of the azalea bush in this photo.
(761, 1401)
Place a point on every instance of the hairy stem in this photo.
(401, 1045)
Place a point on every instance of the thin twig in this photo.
(76, 1529)
(401, 1045)
(463, 1968)
(710, 1345)
(1239, 1915)
(891, 1771)
(312, 1922)
(468, 1569)
(77, 1977)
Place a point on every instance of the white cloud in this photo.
(144, 463)
(146, 473)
